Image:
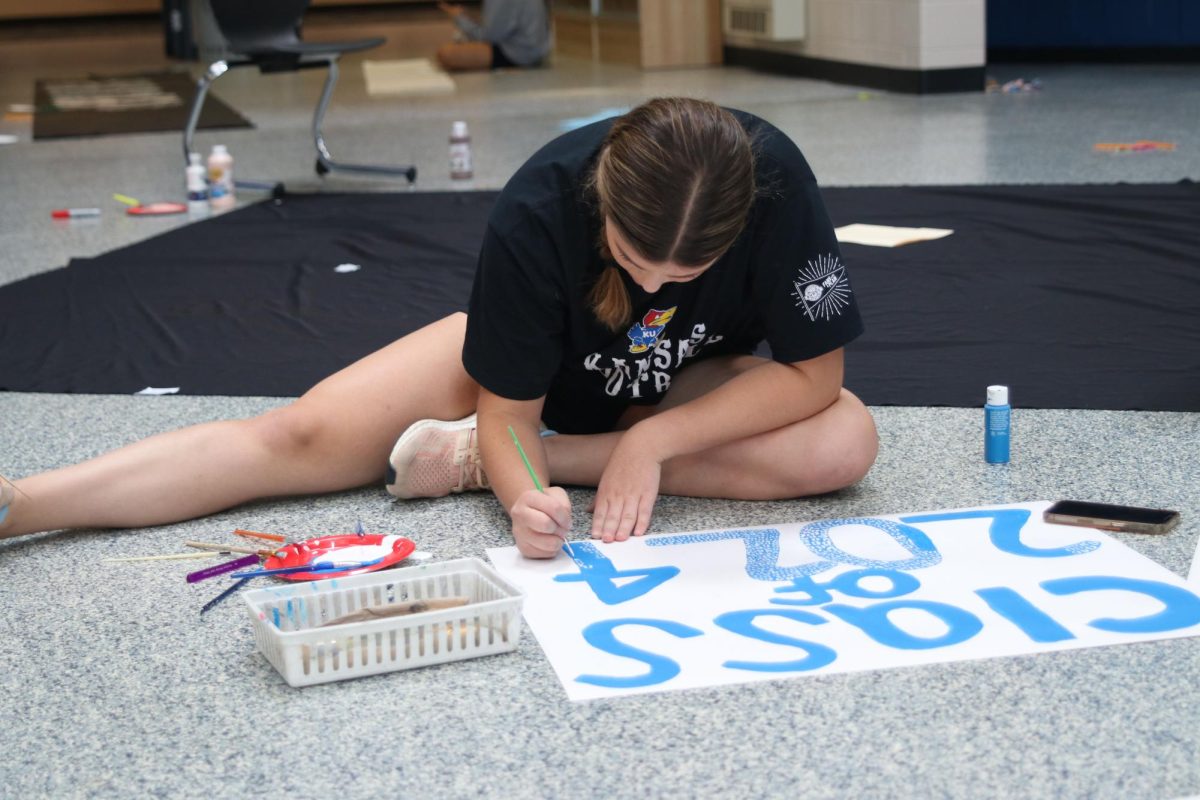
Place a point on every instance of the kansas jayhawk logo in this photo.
(642, 335)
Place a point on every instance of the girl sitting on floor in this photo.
(628, 271)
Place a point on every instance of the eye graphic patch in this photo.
(821, 288)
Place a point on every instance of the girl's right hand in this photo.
(541, 521)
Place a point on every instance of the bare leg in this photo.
(337, 436)
(823, 453)
(465, 56)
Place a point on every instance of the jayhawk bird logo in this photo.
(643, 335)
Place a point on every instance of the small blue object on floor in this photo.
(211, 604)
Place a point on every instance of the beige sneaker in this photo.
(435, 458)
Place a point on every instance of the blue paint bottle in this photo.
(997, 425)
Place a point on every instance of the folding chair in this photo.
(265, 34)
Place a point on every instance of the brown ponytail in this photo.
(609, 300)
(676, 176)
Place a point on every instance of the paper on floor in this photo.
(1194, 572)
(887, 235)
(678, 611)
(406, 76)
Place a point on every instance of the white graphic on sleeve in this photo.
(627, 375)
(822, 289)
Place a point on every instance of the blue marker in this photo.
(997, 425)
(320, 566)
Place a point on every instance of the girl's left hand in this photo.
(627, 492)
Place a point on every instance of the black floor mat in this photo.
(1074, 296)
(103, 105)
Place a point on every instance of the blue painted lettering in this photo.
(742, 623)
(874, 621)
(600, 635)
(924, 554)
(1005, 532)
(601, 575)
(1181, 607)
(1032, 621)
(848, 583)
(762, 552)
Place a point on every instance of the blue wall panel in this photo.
(1093, 23)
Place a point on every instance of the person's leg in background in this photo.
(465, 56)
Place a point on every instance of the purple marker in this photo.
(221, 569)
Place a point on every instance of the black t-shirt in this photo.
(531, 333)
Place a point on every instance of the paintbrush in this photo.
(320, 566)
(229, 548)
(212, 603)
(169, 556)
(413, 607)
(270, 537)
(537, 483)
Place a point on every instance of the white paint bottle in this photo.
(197, 186)
(220, 179)
(461, 168)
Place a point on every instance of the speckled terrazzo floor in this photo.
(112, 686)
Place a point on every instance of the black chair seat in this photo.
(256, 50)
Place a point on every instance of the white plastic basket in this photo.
(287, 621)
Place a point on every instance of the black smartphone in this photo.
(1129, 519)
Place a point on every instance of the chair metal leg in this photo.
(214, 71)
(325, 162)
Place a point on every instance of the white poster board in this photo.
(677, 611)
(1194, 572)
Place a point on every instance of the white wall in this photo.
(901, 34)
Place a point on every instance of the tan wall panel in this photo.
(28, 9)
(573, 36)
(678, 33)
(619, 41)
(31, 9)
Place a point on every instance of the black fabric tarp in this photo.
(52, 122)
(1075, 296)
